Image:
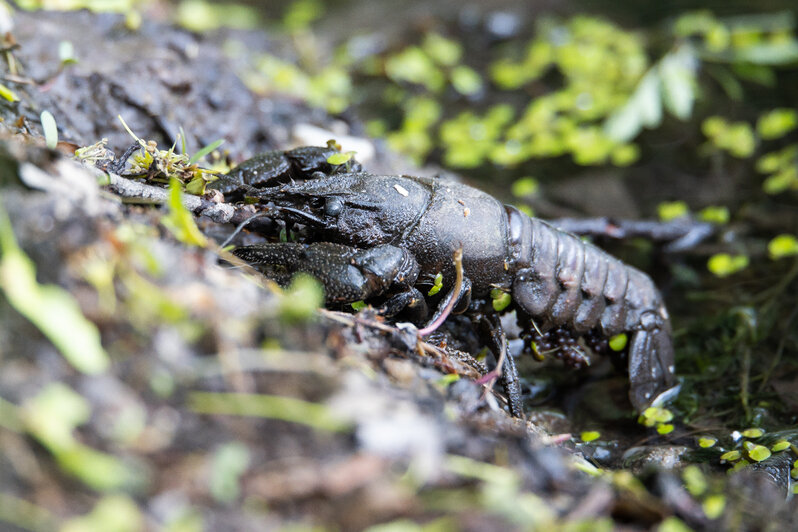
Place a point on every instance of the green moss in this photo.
(53, 310)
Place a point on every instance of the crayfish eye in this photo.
(333, 206)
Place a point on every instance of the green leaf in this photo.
(727, 80)
(196, 186)
(776, 123)
(7, 94)
(739, 466)
(781, 181)
(644, 108)
(98, 470)
(229, 463)
(731, 456)
(524, 187)
(339, 158)
(783, 246)
(205, 151)
(314, 415)
(672, 210)
(705, 442)
(770, 54)
(723, 264)
(301, 299)
(737, 138)
(664, 428)
(446, 52)
(501, 299)
(66, 53)
(753, 433)
(49, 307)
(713, 126)
(113, 513)
(465, 80)
(676, 71)
(413, 65)
(759, 453)
(182, 137)
(300, 14)
(50, 129)
(625, 154)
(781, 445)
(201, 15)
(760, 74)
(714, 505)
(437, 284)
(179, 221)
(715, 215)
(52, 415)
(694, 480)
(658, 414)
(740, 140)
(448, 379)
(589, 435)
(618, 342)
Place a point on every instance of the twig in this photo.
(458, 284)
(680, 234)
(423, 348)
(218, 212)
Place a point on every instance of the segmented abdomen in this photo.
(563, 281)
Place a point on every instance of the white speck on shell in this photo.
(401, 190)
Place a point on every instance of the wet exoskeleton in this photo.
(384, 238)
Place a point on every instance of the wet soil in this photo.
(396, 440)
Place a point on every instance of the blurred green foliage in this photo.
(53, 310)
(179, 220)
(314, 415)
(229, 462)
(582, 88)
(112, 513)
(51, 418)
(581, 91)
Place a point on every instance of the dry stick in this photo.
(350, 320)
(218, 212)
(458, 284)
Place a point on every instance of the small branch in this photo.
(218, 212)
(458, 284)
(680, 234)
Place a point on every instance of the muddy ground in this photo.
(219, 410)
